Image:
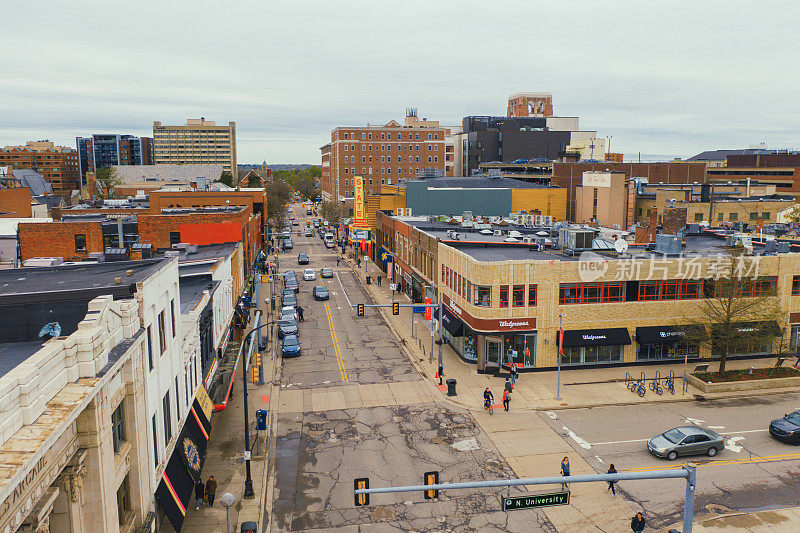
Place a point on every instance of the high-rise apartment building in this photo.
(198, 141)
(57, 164)
(105, 150)
(382, 155)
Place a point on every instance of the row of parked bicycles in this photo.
(657, 384)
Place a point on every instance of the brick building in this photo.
(530, 105)
(57, 164)
(15, 202)
(383, 155)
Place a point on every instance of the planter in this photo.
(753, 384)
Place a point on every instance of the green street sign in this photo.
(536, 500)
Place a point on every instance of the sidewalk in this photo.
(759, 522)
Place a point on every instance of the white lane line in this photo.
(715, 427)
(343, 291)
(582, 443)
(740, 432)
(618, 442)
(694, 421)
(598, 458)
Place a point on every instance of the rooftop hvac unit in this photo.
(771, 246)
(538, 220)
(575, 239)
(401, 211)
(191, 249)
(115, 254)
(668, 244)
(783, 247)
(528, 239)
(497, 232)
(541, 242)
(44, 261)
(468, 215)
(548, 220)
(172, 253)
(97, 256)
(408, 211)
(145, 247)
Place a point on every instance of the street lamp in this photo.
(558, 351)
(227, 501)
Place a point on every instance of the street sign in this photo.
(389, 268)
(428, 310)
(247, 455)
(418, 309)
(535, 500)
(393, 287)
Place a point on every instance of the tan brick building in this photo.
(198, 141)
(57, 164)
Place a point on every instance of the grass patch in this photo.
(744, 375)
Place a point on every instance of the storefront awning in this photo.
(768, 327)
(451, 322)
(596, 337)
(668, 334)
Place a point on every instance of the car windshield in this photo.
(286, 322)
(794, 418)
(327, 270)
(320, 289)
(674, 436)
(291, 340)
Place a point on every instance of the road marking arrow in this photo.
(730, 444)
(694, 421)
(598, 458)
(551, 414)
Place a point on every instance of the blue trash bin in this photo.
(261, 419)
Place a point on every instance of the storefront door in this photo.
(494, 348)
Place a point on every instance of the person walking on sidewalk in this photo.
(379, 281)
(514, 373)
(506, 399)
(508, 385)
(565, 472)
(199, 492)
(337, 262)
(488, 400)
(611, 470)
(211, 490)
(638, 523)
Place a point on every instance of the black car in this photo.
(302, 259)
(787, 428)
(308, 211)
(321, 293)
(291, 283)
(287, 327)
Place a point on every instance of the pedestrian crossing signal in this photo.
(431, 478)
(396, 308)
(358, 484)
(360, 309)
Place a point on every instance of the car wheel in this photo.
(672, 455)
(712, 452)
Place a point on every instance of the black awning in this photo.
(768, 327)
(453, 324)
(596, 337)
(668, 334)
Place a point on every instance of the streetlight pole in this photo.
(441, 324)
(558, 355)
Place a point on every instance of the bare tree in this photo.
(106, 180)
(332, 211)
(739, 308)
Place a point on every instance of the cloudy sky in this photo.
(663, 78)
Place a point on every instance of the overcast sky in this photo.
(663, 78)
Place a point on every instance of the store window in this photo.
(532, 289)
(518, 296)
(795, 338)
(483, 296)
(655, 352)
(579, 355)
(503, 295)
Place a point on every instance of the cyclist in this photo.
(488, 399)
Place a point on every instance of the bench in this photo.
(701, 368)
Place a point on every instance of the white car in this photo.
(308, 274)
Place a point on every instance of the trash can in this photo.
(248, 527)
(261, 419)
(451, 387)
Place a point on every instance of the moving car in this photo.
(287, 244)
(290, 346)
(326, 272)
(287, 326)
(309, 232)
(686, 440)
(302, 259)
(308, 211)
(308, 274)
(787, 428)
(295, 222)
(321, 293)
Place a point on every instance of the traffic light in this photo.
(396, 308)
(358, 484)
(431, 478)
(360, 309)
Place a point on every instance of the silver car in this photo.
(686, 440)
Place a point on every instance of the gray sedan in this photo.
(686, 440)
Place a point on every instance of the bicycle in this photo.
(669, 382)
(487, 404)
(655, 385)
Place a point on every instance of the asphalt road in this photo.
(319, 454)
(754, 472)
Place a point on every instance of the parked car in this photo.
(291, 283)
(686, 440)
(787, 428)
(326, 272)
(308, 212)
(288, 244)
(321, 293)
(309, 232)
(288, 312)
(287, 326)
(302, 259)
(295, 222)
(289, 300)
(290, 346)
(308, 274)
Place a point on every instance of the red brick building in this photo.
(57, 164)
(383, 155)
(15, 202)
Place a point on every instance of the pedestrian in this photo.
(379, 281)
(199, 492)
(441, 374)
(337, 261)
(514, 373)
(637, 523)
(506, 399)
(611, 470)
(211, 490)
(508, 386)
(565, 472)
(300, 313)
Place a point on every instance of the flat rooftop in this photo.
(192, 289)
(480, 183)
(15, 353)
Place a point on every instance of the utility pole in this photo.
(558, 354)
(441, 324)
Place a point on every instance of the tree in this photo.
(226, 178)
(740, 308)
(332, 211)
(794, 214)
(106, 180)
(315, 172)
(306, 186)
(253, 180)
(278, 193)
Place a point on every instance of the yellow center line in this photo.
(336, 350)
(723, 462)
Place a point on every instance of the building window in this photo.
(150, 347)
(363, 159)
(483, 296)
(162, 333)
(346, 181)
(794, 340)
(597, 292)
(753, 216)
(518, 296)
(469, 292)
(167, 418)
(796, 286)
(155, 441)
(444, 271)
(123, 501)
(697, 217)
(763, 286)
(720, 216)
(369, 136)
(532, 294)
(383, 181)
(503, 295)
(765, 215)
(733, 217)
(174, 238)
(80, 242)
(177, 400)
(346, 170)
(118, 427)
(172, 315)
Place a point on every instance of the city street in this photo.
(352, 405)
(755, 471)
